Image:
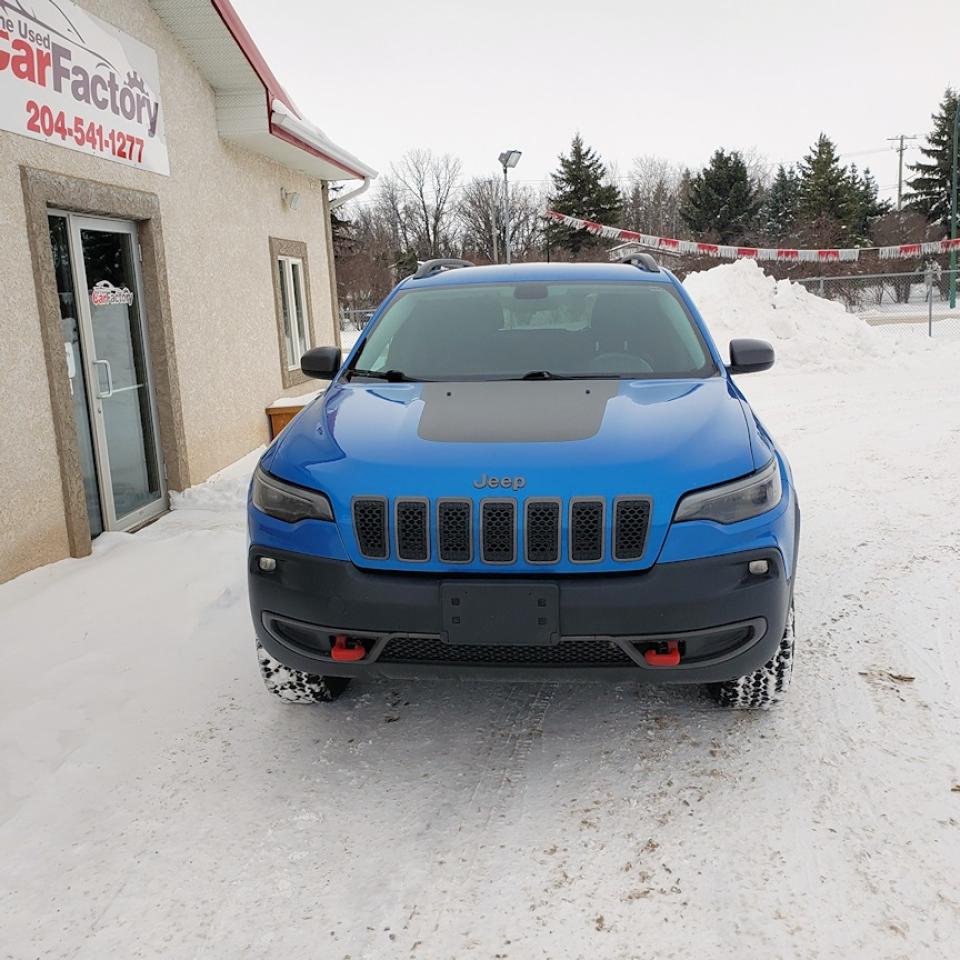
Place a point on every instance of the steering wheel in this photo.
(619, 362)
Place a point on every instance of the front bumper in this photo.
(725, 621)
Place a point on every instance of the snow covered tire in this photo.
(764, 687)
(295, 686)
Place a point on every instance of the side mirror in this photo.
(321, 363)
(750, 356)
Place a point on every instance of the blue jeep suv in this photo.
(537, 471)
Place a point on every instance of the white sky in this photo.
(668, 78)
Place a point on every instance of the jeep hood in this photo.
(564, 438)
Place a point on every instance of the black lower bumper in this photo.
(724, 621)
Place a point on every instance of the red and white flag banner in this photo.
(903, 251)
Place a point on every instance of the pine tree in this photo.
(866, 205)
(722, 202)
(825, 192)
(779, 212)
(929, 191)
(579, 191)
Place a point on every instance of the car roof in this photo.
(539, 272)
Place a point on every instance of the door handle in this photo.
(101, 395)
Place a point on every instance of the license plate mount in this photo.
(488, 613)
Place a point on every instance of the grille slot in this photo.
(370, 526)
(631, 520)
(586, 530)
(498, 531)
(411, 529)
(542, 531)
(578, 652)
(454, 531)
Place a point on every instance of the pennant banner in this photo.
(905, 251)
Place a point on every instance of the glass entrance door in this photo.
(112, 369)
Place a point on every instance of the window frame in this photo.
(283, 255)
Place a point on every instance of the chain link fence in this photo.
(918, 298)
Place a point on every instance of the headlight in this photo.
(287, 502)
(739, 500)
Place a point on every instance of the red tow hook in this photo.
(347, 650)
(666, 654)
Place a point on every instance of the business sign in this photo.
(69, 78)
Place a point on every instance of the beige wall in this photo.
(219, 206)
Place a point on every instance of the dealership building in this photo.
(167, 257)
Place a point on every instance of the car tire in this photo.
(296, 686)
(764, 687)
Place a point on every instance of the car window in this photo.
(503, 331)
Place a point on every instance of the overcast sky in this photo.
(676, 79)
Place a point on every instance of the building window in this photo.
(291, 285)
(296, 329)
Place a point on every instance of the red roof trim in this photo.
(297, 142)
(274, 90)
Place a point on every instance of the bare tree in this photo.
(421, 188)
(480, 218)
(654, 196)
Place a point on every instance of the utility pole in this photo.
(901, 149)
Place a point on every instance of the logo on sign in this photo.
(104, 294)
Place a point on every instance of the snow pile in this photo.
(224, 491)
(740, 300)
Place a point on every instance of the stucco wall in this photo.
(219, 206)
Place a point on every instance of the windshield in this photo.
(538, 330)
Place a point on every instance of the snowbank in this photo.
(224, 491)
(740, 300)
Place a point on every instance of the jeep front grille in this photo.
(370, 525)
(542, 539)
(455, 531)
(594, 529)
(498, 531)
(631, 519)
(586, 530)
(412, 530)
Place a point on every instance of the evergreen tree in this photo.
(579, 191)
(779, 212)
(722, 202)
(825, 191)
(929, 191)
(866, 205)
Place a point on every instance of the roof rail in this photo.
(430, 268)
(642, 261)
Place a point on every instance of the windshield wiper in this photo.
(550, 375)
(391, 376)
(542, 375)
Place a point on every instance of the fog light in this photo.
(268, 564)
(757, 567)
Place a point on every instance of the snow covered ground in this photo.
(155, 802)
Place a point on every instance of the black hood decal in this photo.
(514, 411)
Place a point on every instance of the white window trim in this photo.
(298, 321)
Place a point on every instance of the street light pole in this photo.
(508, 159)
(953, 204)
(506, 215)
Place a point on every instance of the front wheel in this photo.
(295, 686)
(765, 686)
